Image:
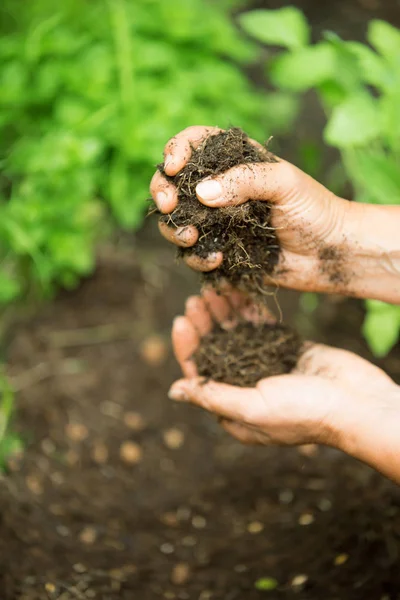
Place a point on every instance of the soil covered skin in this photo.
(243, 233)
(122, 494)
(247, 353)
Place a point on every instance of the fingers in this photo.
(237, 404)
(185, 341)
(179, 149)
(176, 154)
(260, 181)
(164, 193)
(185, 237)
(198, 314)
(242, 305)
(213, 261)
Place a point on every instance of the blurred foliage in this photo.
(89, 94)
(10, 444)
(266, 584)
(358, 86)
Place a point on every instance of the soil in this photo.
(247, 353)
(243, 233)
(122, 494)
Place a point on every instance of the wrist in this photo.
(372, 433)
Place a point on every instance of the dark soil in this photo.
(244, 355)
(123, 494)
(243, 233)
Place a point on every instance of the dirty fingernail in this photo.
(177, 393)
(187, 235)
(161, 199)
(209, 190)
(168, 162)
(214, 259)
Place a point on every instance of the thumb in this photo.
(273, 182)
(228, 401)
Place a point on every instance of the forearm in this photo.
(375, 440)
(371, 252)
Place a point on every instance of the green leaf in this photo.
(332, 93)
(376, 174)
(389, 107)
(386, 39)
(282, 27)
(266, 584)
(10, 289)
(304, 67)
(381, 327)
(347, 68)
(354, 122)
(374, 70)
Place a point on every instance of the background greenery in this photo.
(89, 94)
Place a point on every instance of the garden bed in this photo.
(123, 494)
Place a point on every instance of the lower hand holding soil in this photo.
(329, 396)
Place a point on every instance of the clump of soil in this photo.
(243, 233)
(244, 355)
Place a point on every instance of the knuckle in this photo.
(289, 176)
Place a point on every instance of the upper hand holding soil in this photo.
(307, 218)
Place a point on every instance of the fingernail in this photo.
(209, 190)
(177, 393)
(161, 200)
(168, 161)
(213, 256)
(186, 235)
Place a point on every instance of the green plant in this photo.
(266, 584)
(9, 442)
(89, 94)
(358, 86)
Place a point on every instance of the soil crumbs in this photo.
(243, 233)
(247, 353)
(122, 494)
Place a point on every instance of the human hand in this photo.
(309, 218)
(333, 397)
